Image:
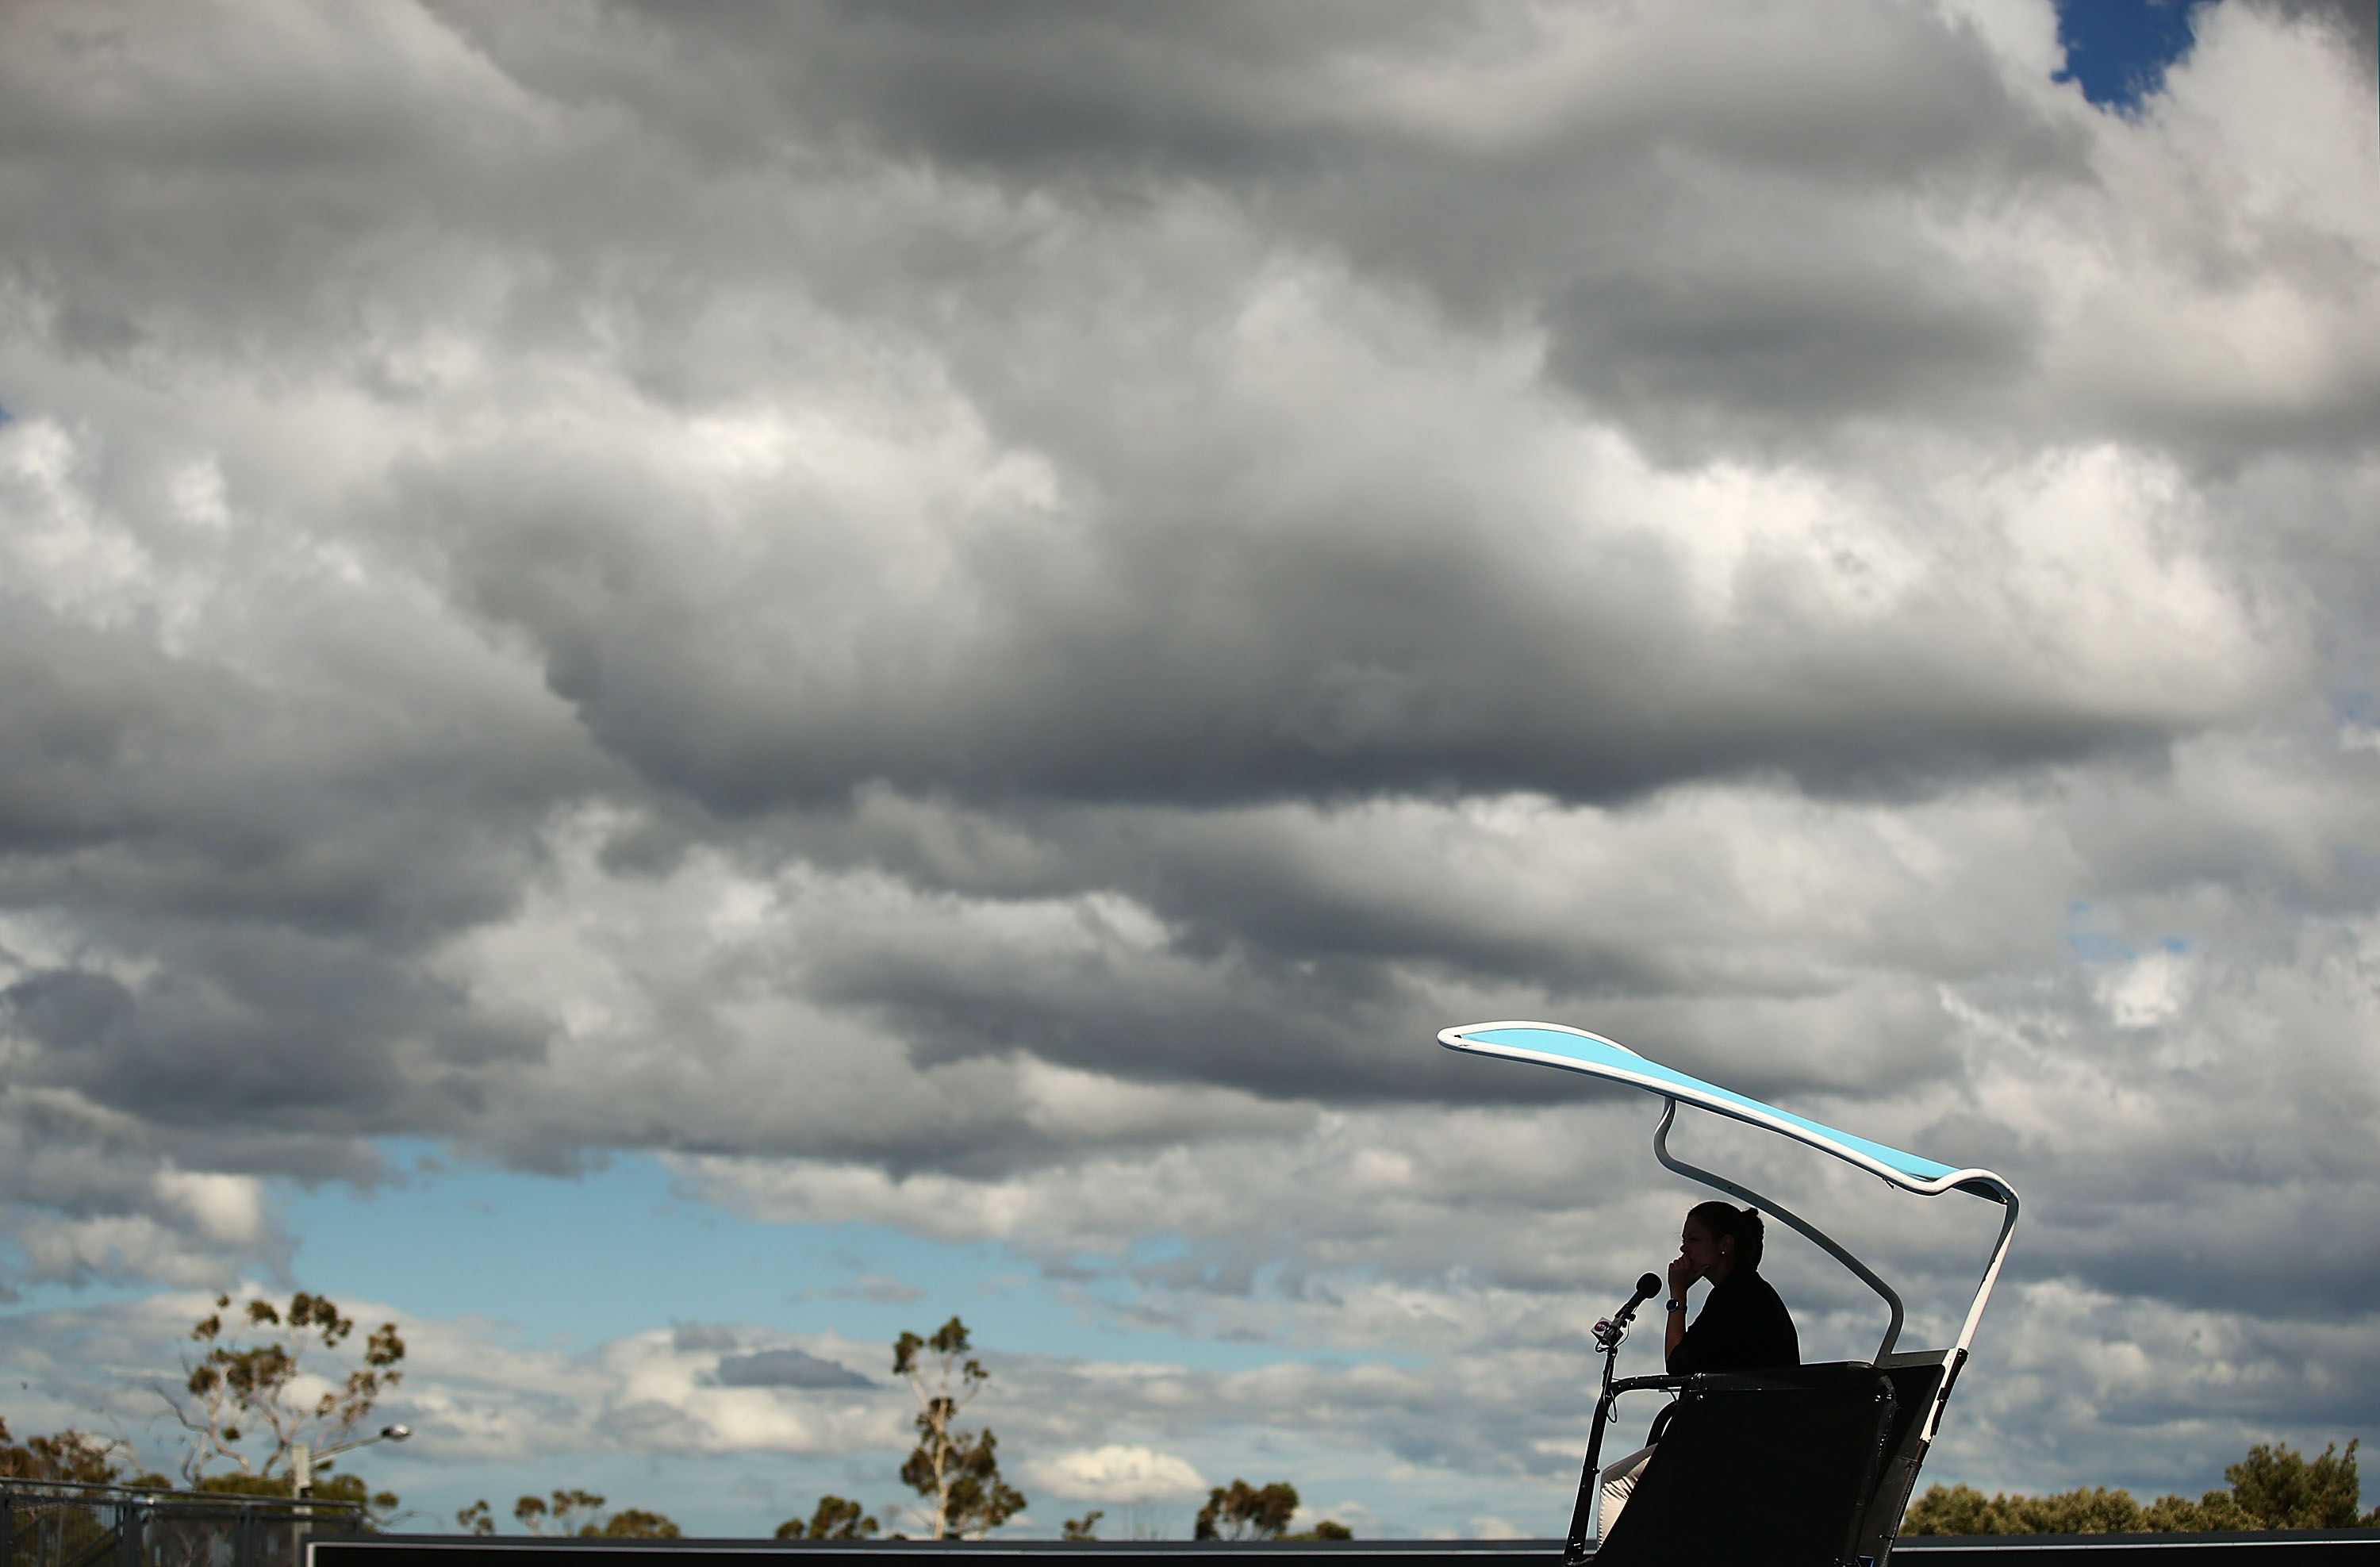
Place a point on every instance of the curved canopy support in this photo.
(1772, 1206)
(1976, 1309)
(1575, 1049)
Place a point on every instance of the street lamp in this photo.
(302, 1457)
(301, 1479)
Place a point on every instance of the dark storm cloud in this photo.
(1763, 334)
(272, 1030)
(1739, 235)
(1394, 636)
(1187, 655)
(1744, 257)
(1407, 640)
(269, 865)
(75, 706)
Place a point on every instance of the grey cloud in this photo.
(1601, 689)
(1601, 190)
(1732, 324)
(2354, 25)
(94, 1195)
(239, 1023)
(1400, 653)
(1595, 202)
(1602, 195)
(785, 1369)
(696, 1337)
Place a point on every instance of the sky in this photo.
(683, 685)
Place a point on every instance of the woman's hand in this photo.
(1682, 1275)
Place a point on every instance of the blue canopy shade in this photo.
(1574, 1049)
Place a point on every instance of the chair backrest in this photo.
(1764, 1466)
(1919, 1382)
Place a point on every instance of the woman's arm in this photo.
(1673, 1330)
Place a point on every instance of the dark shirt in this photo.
(1742, 1327)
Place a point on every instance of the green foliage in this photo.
(635, 1523)
(975, 1499)
(77, 1457)
(574, 1514)
(1087, 1527)
(2286, 1491)
(1242, 1512)
(1329, 1529)
(85, 1460)
(375, 1506)
(244, 1485)
(1963, 1509)
(957, 1472)
(476, 1519)
(2179, 1515)
(570, 1512)
(950, 1342)
(2273, 1488)
(239, 1389)
(71, 1455)
(836, 1518)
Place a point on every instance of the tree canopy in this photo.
(238, 1402)
(2274, 1487)
(1242, 1512)
(956, 1471)
(575, 1514)
(836, 1518)
(74, 1456)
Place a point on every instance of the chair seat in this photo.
(1762, 1467)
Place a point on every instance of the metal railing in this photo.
(57, 1523)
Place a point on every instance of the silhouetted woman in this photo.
(1742, 1327)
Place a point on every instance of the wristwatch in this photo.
(1677, 1305)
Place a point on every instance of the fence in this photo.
(52, 1523)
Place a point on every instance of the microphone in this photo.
(1612, 1329)
(1646, 1288)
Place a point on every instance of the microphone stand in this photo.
(1610, 1332)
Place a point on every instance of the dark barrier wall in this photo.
(2330, 1547)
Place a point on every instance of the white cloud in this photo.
(229, 1209)
(2146, 992)
(1116, 1474)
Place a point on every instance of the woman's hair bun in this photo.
(1750, 1231)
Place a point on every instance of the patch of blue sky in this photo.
(2118, 51)
(2094, 938)
(622, 1248)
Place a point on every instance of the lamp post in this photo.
(301, 1478)
(302, 1457)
